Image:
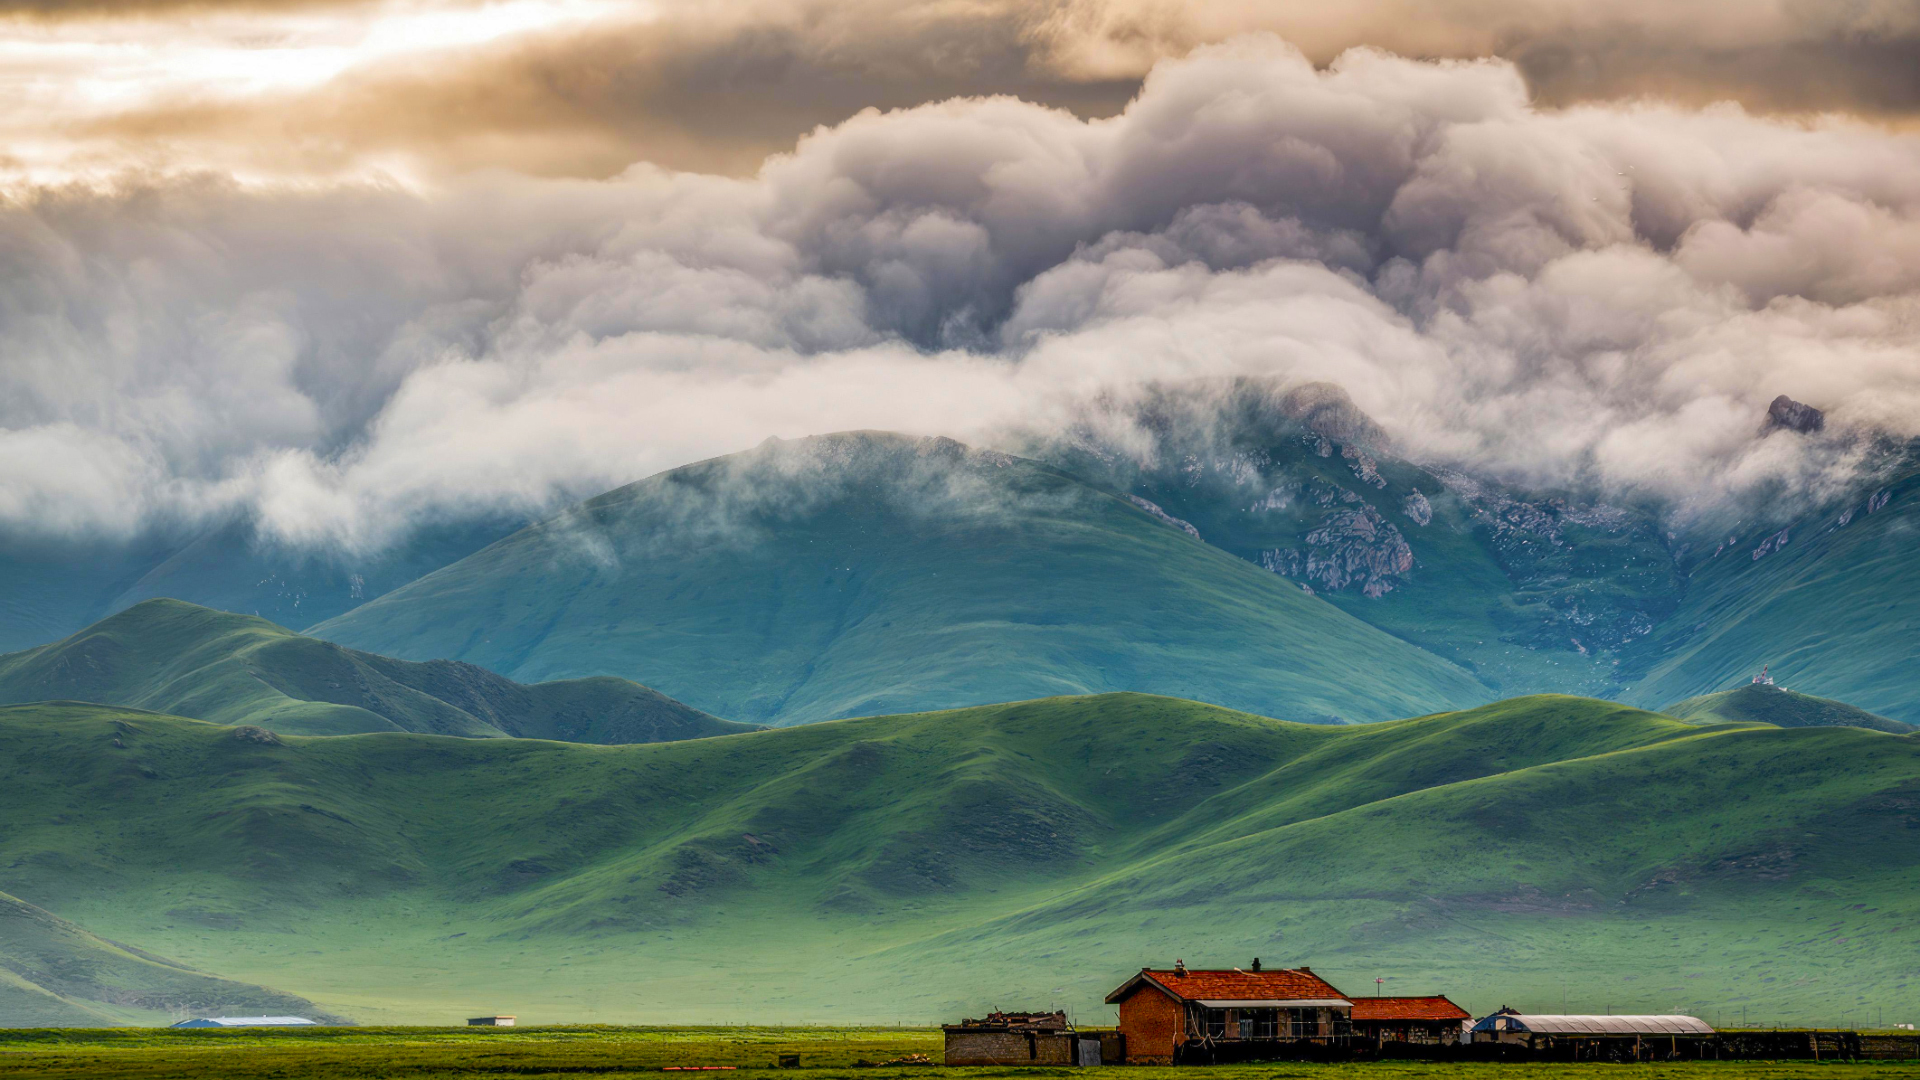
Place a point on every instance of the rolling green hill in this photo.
(172, 657)
(1758, 703)
(914, 867)
(55, 974)
(52, 587)
(862, 573)
(1830, 599)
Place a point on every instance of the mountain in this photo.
(50, 587)
(1760, 703)
(864, 572)
(55, 974)
(1828, 597)
(173, 657)
(1530, 591)
(916, 867)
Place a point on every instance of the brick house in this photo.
(1420, 1021)
(1186, 1014)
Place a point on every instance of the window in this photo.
(1265, 1024)
(1216, 1023)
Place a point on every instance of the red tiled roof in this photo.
(1408, 1008)
(1275, 984)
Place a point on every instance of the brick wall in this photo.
(1008, 1048)
(1155, 1025)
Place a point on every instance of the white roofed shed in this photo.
(1505, 1022)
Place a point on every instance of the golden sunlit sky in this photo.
(586, 87)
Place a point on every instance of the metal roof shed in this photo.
(1615, 1026)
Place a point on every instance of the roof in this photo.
(1547, 1024)
(243, 1021)
(1436, 1007)
(1288, 985)
(1020, 1021)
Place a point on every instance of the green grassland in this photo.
(1835, 611)
(178, 658)
(866, 573)
(406, 1053)
(1763, 704)
(912, 868)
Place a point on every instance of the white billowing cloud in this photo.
(1606, 295)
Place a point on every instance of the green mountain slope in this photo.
(1758, 703)
(864, 573)
(173, 657)
(55, 974)
(1831, 600)
(918, 866)
(1529, 591)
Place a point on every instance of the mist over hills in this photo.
(914, 866)
(864, 573)
(56, 974)
(172, 657)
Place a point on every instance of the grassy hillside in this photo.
(55, 974)
(172, 657)
(1757, 703)
(864, 573)
(1831, 600)
(1529, 591)
(52, 587)
(912, 867)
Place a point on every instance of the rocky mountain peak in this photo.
(1794, 416)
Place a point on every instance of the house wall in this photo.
(1009, 1048)
(1154, 1024)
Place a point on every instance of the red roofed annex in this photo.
(1426, 1021)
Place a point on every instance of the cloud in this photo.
(1606, 295)
(431, 89)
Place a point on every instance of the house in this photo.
(244, 1021)
(1599, 1038)
(1212, 1015)
(1418, 1021)
(1022, 1038)
(490, 1021)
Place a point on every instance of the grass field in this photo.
(402, 1053)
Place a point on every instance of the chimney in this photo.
(1256, 963)
(1306, 969)
(1179, 967)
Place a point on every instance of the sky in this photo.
(344, 267)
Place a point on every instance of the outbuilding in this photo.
(490, 1021)
(1020, 1038)
(1177, 1015)
(1645, 1037)
(1413, 1021)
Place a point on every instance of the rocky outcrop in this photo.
(1349, 547)
(1363, 466)
(1793, 416)
(1164, 517)
(1418, 509)
(1325, 409)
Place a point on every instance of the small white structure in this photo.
(490, 1021)
(244, 1021)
